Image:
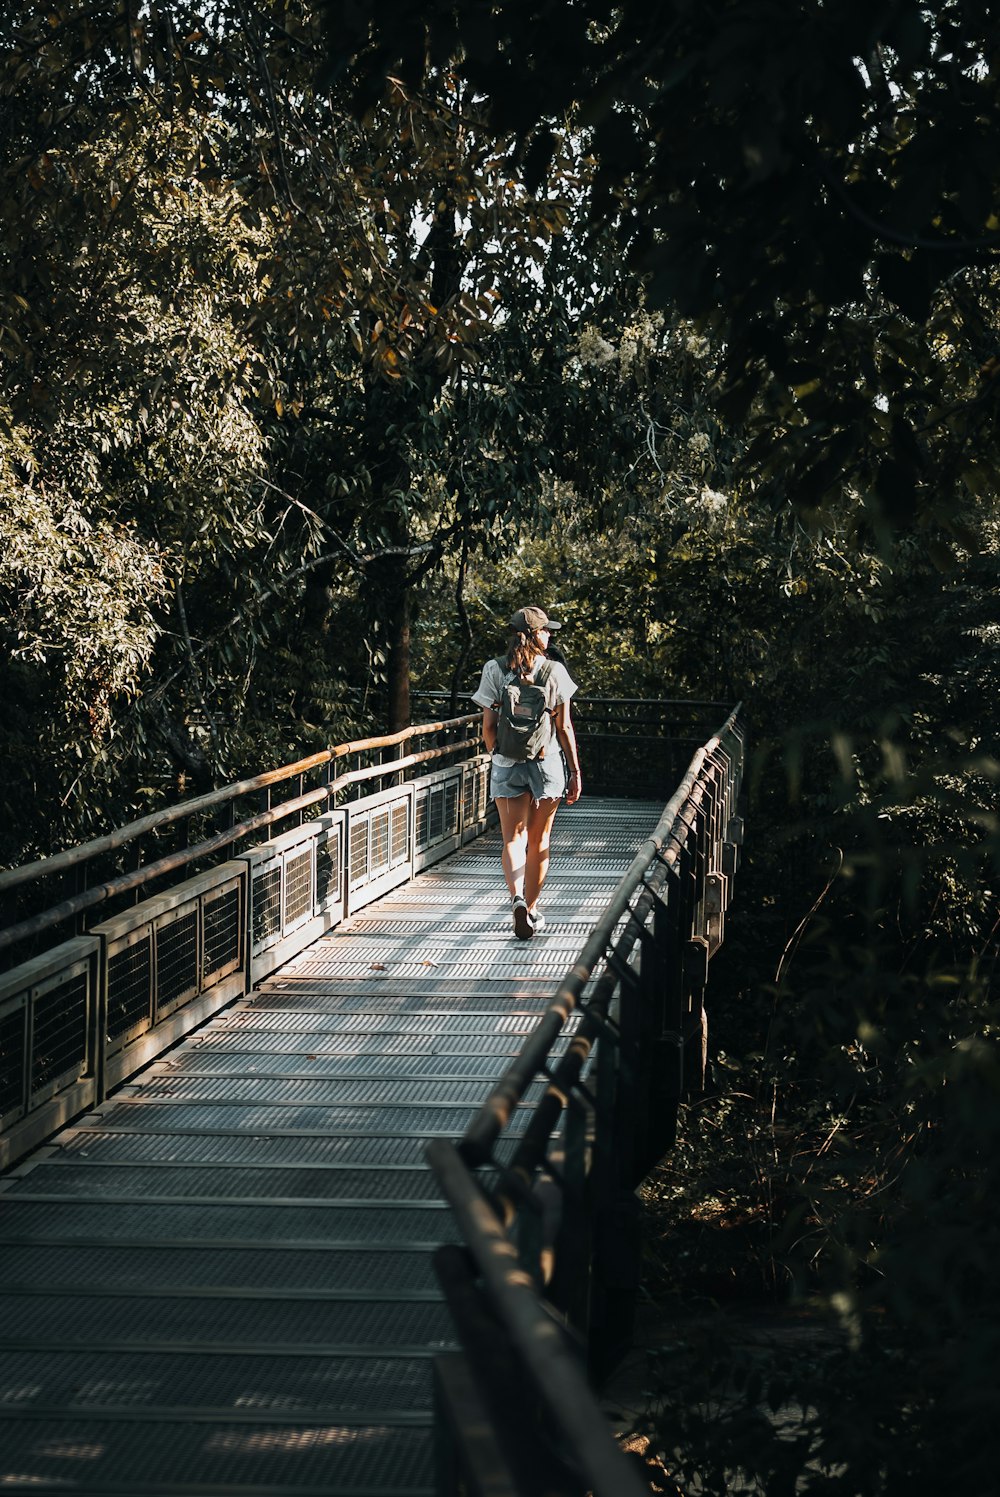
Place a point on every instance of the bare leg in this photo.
(514, 811)
(541, 815)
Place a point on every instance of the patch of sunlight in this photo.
(23, 1393)
(290, 1440)
(70, 1450)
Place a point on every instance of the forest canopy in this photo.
(815, 185)
(331, 334)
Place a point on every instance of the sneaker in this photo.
(523, 927)
(537, 919)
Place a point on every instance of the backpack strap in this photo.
(508, 675)
(542, 679)
(544, 672)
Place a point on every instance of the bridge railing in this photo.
(546, 1283)
(628, 745)
(171, 917)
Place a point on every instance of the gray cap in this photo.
(530, 620)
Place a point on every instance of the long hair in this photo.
(522, 652)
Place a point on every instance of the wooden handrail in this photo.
(72, 857)
(99, 893)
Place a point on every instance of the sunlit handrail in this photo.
(60, 862)
(229, 837)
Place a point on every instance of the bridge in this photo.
(315, 1180)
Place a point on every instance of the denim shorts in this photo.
(544, 779)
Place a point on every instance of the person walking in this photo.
(525, 699)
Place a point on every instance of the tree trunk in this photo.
(398, 606)
(189, 758)
(465, 649)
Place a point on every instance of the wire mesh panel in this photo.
(451, 789)
(13, 1050)
(399, 834)
(176, 939)
(329, 864)
(436, 816)
(475, 796)
(48, 1012)
(379, 842)
(60, 1011)
(266, 899)
(222, 942)
(380, 851)
(357, 873)
(298, 886)
(421, 826)
(130, 986)
(470, 798)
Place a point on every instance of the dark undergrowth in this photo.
(821, 1308)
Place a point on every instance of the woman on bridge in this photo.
(525, 699)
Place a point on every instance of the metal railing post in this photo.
(667, 1043)
(695, 969)
(80, 884)
(630, 1099)
(571, 1280)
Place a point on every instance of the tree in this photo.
(840, 1165)
(403, 427)
(130, 449)
(288, 360)
(815, 185)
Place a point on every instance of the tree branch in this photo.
(187, 755)
(272, 105)
(277, 591)
(884, 232)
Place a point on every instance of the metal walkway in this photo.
(220, 1281)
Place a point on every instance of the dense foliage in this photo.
(274, 364)
(772, 170)
(306, 385)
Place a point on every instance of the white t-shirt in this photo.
(494, 678)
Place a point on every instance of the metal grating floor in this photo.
(220, 1281)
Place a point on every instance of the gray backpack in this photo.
(524, 714)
